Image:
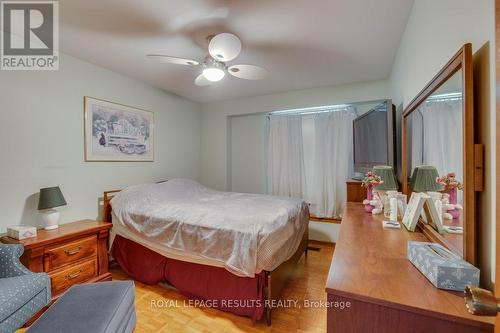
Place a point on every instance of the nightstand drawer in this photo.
(67, 253)
(79, 273)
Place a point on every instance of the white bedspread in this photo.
(245, 233)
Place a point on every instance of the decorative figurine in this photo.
(373, 203)
(451, 186)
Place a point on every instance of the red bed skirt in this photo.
(243, 296)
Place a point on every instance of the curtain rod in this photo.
(448, 96)
(324, 109)
(316, 109)
(267, 113)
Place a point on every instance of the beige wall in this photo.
(41, 135)
(435, 31)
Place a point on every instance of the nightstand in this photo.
(72, 254)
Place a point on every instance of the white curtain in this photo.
(415, 136)
(442, 132)
(285, 156)
(333, 160)
(437, 137)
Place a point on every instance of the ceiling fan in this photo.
(222, 48)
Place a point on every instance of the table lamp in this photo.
(50, 198)
(423, 179)
(386, 172)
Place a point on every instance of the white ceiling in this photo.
(303, 43)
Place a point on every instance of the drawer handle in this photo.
(72, 252)
(73, 275)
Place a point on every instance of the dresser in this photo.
(355, 192)
(372, 287)
(74, 253)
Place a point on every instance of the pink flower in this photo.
(371, 179)
(449, 181)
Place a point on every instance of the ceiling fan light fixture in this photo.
(213, 74)
(224, 47)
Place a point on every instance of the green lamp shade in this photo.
(51, 197)
(386, 172)
(423, 179)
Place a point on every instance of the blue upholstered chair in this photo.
(22, 292)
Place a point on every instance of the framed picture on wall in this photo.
(116, 132)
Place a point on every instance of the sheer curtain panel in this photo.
(285, 156)
(333, 161)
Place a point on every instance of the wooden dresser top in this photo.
(370, 264)
(64, 232)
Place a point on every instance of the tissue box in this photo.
(21, 232)
(442, 267)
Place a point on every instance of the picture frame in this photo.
(117, 133)
(414, 210)
(434, 216)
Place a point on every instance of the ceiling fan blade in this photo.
(173, 60)
(248, 72)
(224, 47)
(202, 81)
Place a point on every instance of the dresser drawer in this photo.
(78, 273)
(60, 255)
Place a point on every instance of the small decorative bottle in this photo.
(387, 203)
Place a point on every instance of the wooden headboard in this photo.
(106, 205)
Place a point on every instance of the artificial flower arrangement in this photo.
(449, 182)
(371, 179)
(373, 203)
(450, 205)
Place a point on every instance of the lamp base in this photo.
(50, 219)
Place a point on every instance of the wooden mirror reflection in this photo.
(438, 131)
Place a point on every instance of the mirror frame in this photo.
(461, 60)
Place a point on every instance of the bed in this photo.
(236, 250)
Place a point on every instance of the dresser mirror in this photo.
(438, 140)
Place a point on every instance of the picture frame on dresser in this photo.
(413, 211)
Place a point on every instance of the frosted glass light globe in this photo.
(224, 47)
(213, 74)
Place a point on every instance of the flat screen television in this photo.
(374, 139)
